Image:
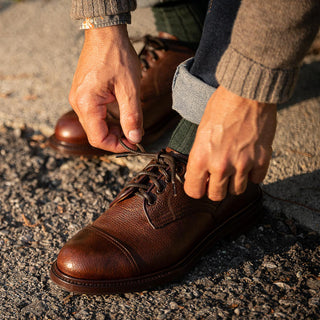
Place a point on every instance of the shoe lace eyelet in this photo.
(159, 191)
(179, 169)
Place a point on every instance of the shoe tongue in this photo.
(165, 35)
(128, 192)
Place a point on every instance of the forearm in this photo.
(268, 42)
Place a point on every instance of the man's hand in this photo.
(108, 72)
(232, 146)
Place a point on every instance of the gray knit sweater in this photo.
(268, 42)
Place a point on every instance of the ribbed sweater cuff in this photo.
(254, 81)
(82, 9)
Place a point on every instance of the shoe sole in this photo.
(150, 136)
(72, 149)
(238, 224)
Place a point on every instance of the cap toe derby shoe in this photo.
(70, 138)
(152, 233)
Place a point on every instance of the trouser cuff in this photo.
(190, 94)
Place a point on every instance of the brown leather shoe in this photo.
(159, 58)
(152, 232)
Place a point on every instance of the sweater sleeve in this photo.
(268, 42)
(82, 9)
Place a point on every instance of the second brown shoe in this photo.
(152, 233)
(159, 58)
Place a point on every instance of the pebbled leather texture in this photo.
(159, 59)
(145, 232)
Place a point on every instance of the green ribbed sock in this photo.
(182, 19)
(183, 137)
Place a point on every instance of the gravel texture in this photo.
(273, 272)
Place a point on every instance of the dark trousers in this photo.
(215, 39)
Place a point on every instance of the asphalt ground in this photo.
(270, 273)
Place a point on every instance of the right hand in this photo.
(108, 72)
(233, 145)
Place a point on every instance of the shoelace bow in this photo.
(163, 161)
(151, 44)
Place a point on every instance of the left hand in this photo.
(232, 145)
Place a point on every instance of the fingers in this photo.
(95, 126)
(218, 183)
(131, 118)
(238, 183)
(195, 185)
(196, 178)
(218, 187)
(93, 120)
(215, 185)
(257, 174)
(206, 177)
(260, 168)
(102, 136)
(218, 178)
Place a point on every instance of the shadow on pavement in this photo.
(303, 189)
(277, 234)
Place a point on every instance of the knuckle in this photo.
(95, 141)
(86, 102)
(72, 99)
(220, 169)
(83, 102)
(196, 161)
(243, 167)
(133, 118)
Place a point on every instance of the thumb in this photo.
(131, 118)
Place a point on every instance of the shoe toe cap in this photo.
(91, 254)
(68, 129)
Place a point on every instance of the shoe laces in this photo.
(164, 164)
(151, 45)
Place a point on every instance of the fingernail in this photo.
(135, 135)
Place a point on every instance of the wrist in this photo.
(107, 34)
(258, 104)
